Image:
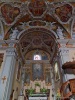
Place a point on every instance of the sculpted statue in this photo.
(59, 32)
(14, 34)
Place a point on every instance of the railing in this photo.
(68, 88)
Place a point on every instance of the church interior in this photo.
(37, 49)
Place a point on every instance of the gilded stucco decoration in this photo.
(47, 15)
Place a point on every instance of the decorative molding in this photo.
(10, 51)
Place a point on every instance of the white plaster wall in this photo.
(64, 53)
(69, 76)
(67, 54)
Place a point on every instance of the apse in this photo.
(38, 39)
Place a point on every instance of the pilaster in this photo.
(53, 83)
(7, 74)
(64, 53)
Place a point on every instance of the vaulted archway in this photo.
(38, 38)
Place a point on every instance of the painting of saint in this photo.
(37, 70)
(18, 72)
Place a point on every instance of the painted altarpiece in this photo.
(37, 71)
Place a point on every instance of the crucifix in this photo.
(4, 78)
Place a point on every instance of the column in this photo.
(7, 74)
(53, 83)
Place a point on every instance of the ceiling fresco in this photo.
(46, 14)
(24, 19)
(9, 13)
(64, 12)
(37, 8)
(36, 38)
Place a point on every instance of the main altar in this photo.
(37, 90)
(38, 96)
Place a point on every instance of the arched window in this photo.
(37, 57)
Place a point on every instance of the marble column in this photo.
(53, 83)
(7, 74)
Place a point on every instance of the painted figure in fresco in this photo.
(59, 32)
(37, 7)
(64, 12)
(14, 34)
(9, 13)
